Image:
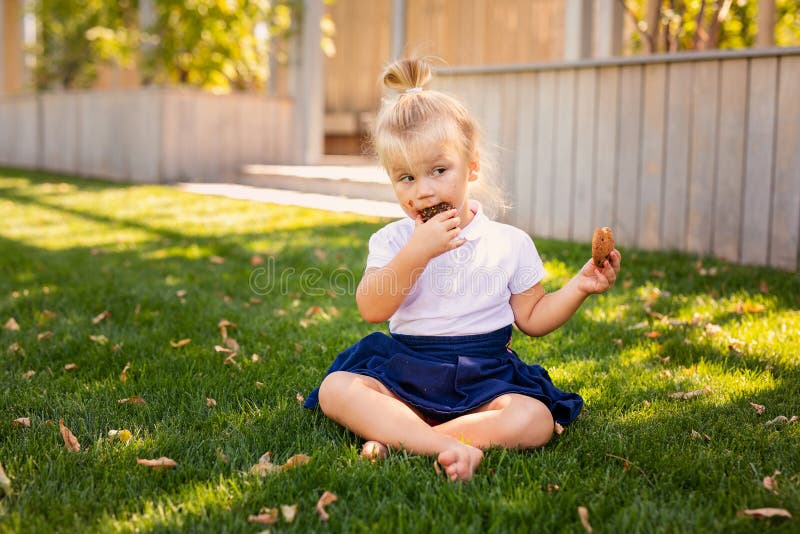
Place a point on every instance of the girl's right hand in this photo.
(436, 236)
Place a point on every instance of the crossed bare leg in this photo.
(369, 409)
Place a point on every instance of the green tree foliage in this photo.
(75, 36)
(704, 24)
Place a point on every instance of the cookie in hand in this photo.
(602, 245)
(427, 213)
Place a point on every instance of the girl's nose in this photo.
(424, 188)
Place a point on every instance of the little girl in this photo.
(445, 382)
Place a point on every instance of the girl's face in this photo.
(433, 174)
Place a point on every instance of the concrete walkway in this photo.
(378, 208)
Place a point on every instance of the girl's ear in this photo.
(474, 168)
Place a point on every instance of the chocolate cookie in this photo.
(427, 213)
(602, 245)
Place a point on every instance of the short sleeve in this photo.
(384, 245)
(530, 269)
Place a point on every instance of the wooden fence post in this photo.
(12, 60)
(577, 29)
(309, 88)
(607, 34)
(766, 24)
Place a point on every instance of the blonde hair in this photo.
(412, 117)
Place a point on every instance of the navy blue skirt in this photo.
(445, 377)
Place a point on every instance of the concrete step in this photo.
(344, 177)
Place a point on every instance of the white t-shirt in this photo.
(464, 291)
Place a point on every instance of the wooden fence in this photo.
(694, 152)
(144, 135)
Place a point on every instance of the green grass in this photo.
(77, 248)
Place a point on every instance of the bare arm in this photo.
(538, 313)
(382, 290)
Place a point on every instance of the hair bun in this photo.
(406, 74)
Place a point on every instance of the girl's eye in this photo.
(406, 178)
(438, 171)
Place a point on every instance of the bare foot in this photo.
(460, 462)
(374, 450)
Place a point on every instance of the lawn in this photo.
(105, 282)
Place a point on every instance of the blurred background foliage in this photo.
(232, 45)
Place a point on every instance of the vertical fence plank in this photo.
(564, 141)
(676, 165)
(705, 101)
(758, 171)
(629, 150)
(785, 241)
(730, 159)
(583, 194)
(526, 117)
(652, 164)
(545, 128)
(606, 132)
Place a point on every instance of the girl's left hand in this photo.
(593, 279)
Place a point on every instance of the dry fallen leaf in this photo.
(101, 317)
(12, 325)
(69, 438)
(255, 357)
(124, 374)
(781, 419)
(41, 336)
(583, 513)
(210, 402)
(181, 343)
(15, 348)
(5, 482)
(136, 399)
(232, 344)
(217, 260)
(771, 483)
(101, 340)
(230, 361)
(158, 463)
(558, 429)
(300, 398)
(180, 293)
(326, 499)
(689, 394)
(296, 461)
(553, 487)
(255, 261)
(28, 374)
(760, 513)
(759, 408)
(652, 334)
(268, 516)
(288, 512)
(22, 421)
(220, 348)
(70, 367)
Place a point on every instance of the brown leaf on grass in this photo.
(713, 329)
(158, 463)
(15, 348)
(697, 435)
(553, 487)
(136, 399)
(765, 513)
(781, 419)
(216, 260)
(124, 374)
(300, 399)
(326, 499)
(771, 483)
(100, 340)
(220, 348)
(558, 429)
(288, 511)
(181, 293)
(101, 317)
(267, 516)
(22, 421)
(41, 336)
(232, 344)
(231, 361)
(333, 311)
(652, 334)
(180, 343)
(70, 367)
(256, 260)
(747, 307)
(296, 461)
(265, 465)
(5, 482)
(12, 325)
(69, 438)
(583, 514)
(210, 402)
(255, 357)
(690, 394)
(759, 408)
